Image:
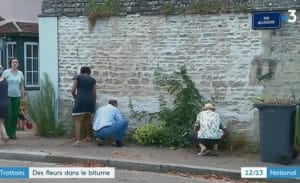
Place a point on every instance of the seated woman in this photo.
(209, 130)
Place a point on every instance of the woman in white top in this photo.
(16, 90)
(209, 130)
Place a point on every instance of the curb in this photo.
(121, 164)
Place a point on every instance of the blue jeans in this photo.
(117, 130)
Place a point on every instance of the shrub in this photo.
(174, 138)
(157, 134)
(188, 101)
(174, 120)
(42, 110)
(151, 134)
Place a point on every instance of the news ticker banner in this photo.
(290, 172)
(109, 172)
(57, 172)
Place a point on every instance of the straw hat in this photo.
(209, 106)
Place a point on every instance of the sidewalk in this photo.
(34, 148)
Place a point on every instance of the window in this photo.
(31, 70)
(11, 50)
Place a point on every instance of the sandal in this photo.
(76, 144)
(203, 153)
(5, 139)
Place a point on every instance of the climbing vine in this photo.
(96, 11)
(174, 120)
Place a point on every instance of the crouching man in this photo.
(109, 123)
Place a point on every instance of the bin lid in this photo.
(260, 105)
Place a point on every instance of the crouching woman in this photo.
(209, 130)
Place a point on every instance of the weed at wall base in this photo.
(238, 143)
(42, 109)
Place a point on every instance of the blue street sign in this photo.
(266, 20)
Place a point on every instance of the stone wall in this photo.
(124, 51)
(222, 53)
(146, 7)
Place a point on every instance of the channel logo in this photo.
(291, 18)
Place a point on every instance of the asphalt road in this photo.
(123, 176)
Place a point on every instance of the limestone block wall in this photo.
(223, 55)
(123, 53)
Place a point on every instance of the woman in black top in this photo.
(3, 105)
(84, 94)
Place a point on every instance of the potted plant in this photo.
(276, 128)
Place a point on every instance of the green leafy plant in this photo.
(174, 120)
(266, 77)
(157, 134)
(211, 7)
(169, 8)
(95, 11)
(42, 110)
(240, 8)
(188, 101)
(174, 138)
(151, 134)
(207, 7)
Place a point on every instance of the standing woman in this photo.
(3, 105)
(16, 90)
(84, 94)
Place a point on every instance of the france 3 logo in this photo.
(291, 17)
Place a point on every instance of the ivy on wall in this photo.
(212, 7)
(207, 7)
(95, 10)
(169, 8)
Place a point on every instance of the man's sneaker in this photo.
(119, 143)
(110, 141)
(88, 139)
(98, 141)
